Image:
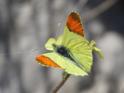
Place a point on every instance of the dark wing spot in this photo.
(64, 52)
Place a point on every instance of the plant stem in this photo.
(61, 84)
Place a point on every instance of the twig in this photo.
(99, 9)
(61, 84)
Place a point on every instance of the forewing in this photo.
(70, 39)
(46, 61)
(74, 23)
(65, 64)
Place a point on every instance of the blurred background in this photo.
(25, 26)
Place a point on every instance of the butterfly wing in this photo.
(74, 23)
(65, 64)
(46, 61)
(79, 49)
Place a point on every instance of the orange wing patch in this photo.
(46, 61)
(74, 23)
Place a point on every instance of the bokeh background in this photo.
(25, 26)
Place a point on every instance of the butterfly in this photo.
(71, 51)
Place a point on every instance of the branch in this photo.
(61, 84)
(99, 9)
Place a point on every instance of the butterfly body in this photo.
(70, 51)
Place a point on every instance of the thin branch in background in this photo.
(82, 3)
(99, 9)
(61, 84)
